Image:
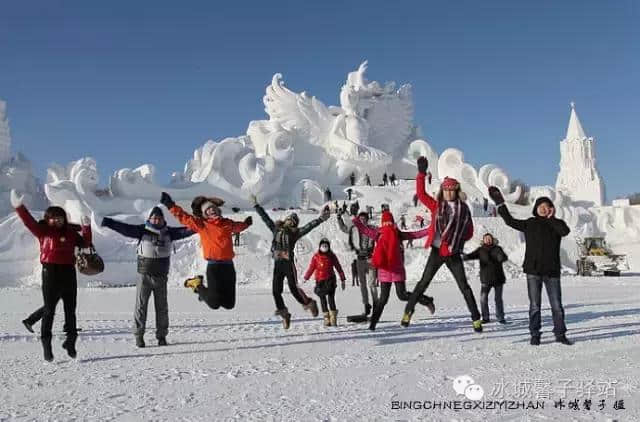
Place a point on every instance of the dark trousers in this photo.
(401, 292)
(554, 292)
(455, 265)
(484, 301)
(59, 282)
(221, 286)
(283, 268)
(326, 291)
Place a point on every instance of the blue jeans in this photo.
(554, 292)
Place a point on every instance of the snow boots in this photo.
(564, 340)
(46, 348)
(477, 326)
(327, 320)
(333, 318)
(535, 341)
(27, 325)
(140, 341)
(70, 346)
(286, 317)
(312, 307)
(367, 309)
(162, 341)
(194, 283)
(406, 319)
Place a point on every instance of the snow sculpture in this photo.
(578, 177)
(5, 134)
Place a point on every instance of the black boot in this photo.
(367, 309)
(564, 340)
(162, 341)
(140, 340)
(375, 317)
(27, 325)
(48, 352)
(535, 341)
(70, 346)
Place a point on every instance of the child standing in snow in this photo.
(217, 248)
(285, 235)
(450, 227)
(58, 240)
(491, 257)
(542, 233)
(154, 250)
(322, 264)
(388, 258)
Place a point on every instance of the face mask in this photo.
(324, 248)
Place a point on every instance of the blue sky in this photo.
(148, 82)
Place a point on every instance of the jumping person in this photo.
(58, 240)
(451, 226)
(217, 248)
(363, 249)
(542, 233)
(154, 250)
(322, 264)
(491, 257)
(388, 259)
(285, 235)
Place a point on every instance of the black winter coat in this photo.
(542, 240)
(491, 259)
(285, 238)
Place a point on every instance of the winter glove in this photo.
(16, 201)
(166, 200)
(342, 284)
(496, 195)
(423, 164)
(326, 213)
(85, 221)
(253, 200)
(248, 221)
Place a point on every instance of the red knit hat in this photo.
(387, 218)
(450, 183)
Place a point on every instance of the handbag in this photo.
(88, 262)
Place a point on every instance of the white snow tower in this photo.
(578, 177)
(5, 135)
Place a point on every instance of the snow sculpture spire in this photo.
(5, 134)
(574, 130)
(578, 177)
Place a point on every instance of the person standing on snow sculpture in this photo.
(215, 234)
(388, 259)
(491, 258)
(451, 226)
(542, 233)
(363, 248)
(285, 235)
(352, 178)
(322, 264)
(58, 240)
(155, 239)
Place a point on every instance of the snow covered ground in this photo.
(241, 364)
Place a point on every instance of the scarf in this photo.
(452, 222)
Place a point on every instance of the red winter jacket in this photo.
(432, 205)
(57, 246)
(323, 264)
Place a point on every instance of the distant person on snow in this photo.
(384, 179)
(155, 239)
(215, 233)
(285, 235)
(327, 195)
(58, 239)
(367, 180)
(388, 259)
(352, 178)
(491, 258)
(542, 233)
(349, 193)
(322, 264)
(451, 226)
(392, 179)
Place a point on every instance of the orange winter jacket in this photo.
(215, 233)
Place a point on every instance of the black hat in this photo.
(156, 211)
